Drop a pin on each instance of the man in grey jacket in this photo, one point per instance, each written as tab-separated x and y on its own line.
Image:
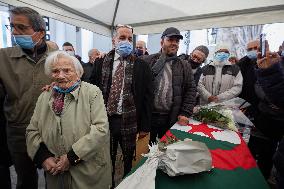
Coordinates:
220	80
21	79
174	85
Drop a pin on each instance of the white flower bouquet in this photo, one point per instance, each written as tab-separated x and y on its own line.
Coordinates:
224	115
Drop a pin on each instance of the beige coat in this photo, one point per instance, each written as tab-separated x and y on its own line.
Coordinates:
21	80
83	126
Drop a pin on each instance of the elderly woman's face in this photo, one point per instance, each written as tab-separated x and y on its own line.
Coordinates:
63	73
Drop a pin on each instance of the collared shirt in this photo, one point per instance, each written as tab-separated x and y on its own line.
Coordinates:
115	64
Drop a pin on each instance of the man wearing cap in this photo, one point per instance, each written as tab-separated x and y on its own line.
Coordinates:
196	59
220	80
174	87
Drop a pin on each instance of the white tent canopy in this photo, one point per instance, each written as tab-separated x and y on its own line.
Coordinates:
153	16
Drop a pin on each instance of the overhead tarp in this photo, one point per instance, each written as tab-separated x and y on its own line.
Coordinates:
153	16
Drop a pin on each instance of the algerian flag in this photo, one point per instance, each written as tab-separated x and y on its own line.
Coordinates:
234	166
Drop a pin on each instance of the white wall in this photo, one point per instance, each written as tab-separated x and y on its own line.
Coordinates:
153	43
61	32
82	40
102	43
275	35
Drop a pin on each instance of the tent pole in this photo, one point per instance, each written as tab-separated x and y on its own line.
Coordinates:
114	17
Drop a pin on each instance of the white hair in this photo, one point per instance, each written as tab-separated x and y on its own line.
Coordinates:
91	51
55	56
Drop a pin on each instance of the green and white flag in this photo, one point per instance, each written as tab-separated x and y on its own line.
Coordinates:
232	162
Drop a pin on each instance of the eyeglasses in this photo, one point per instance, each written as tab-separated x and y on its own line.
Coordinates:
123	26
18	27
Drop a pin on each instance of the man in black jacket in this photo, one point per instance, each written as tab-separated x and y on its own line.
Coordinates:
88	67
270	76
263	140
126	83
247	65
174	86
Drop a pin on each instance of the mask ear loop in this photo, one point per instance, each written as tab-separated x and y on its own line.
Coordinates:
35	43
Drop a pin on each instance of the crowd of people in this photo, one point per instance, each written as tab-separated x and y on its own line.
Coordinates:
68	117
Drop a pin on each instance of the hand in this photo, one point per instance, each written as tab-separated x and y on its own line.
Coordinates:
48	87
101	55
213	99
49	165
63	164
182	120
142	134
269	59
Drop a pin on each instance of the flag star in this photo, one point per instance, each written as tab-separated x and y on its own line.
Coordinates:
203	128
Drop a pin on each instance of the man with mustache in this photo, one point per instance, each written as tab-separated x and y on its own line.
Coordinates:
174	86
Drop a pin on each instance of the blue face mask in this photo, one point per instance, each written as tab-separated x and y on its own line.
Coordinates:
282	53
252	55
124	48
221	56
70	89
25	41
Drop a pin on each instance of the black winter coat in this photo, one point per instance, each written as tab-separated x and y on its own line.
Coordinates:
247	67
142	87
184	89
272	82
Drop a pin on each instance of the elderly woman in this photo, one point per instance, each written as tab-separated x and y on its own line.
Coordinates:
69	134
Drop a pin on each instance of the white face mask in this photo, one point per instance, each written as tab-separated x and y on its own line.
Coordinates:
71	53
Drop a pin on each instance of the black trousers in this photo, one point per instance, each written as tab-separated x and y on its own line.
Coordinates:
5	180
159	126
5	158
127	147
27	177
263	149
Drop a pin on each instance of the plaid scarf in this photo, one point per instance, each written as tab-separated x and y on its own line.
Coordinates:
129	125
58	95
58	102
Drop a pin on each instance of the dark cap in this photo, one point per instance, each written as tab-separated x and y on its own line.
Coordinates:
172	32
203	49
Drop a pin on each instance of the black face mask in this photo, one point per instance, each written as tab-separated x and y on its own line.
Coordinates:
194	64
138	52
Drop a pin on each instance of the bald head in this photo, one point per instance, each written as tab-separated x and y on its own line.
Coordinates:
93	55
141	45
252	45
52	44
